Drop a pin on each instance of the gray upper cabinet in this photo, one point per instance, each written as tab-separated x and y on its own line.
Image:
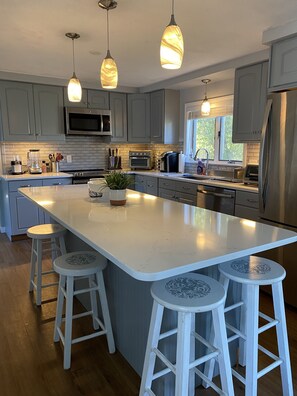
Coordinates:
48	102
17	111
91	98
118	107
139	118
250	93
165	116
283	64
31	112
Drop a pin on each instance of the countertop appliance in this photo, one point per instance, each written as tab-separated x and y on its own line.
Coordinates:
169	161
251	174
218	199
33	161
83	176
140	159
83	121
277	179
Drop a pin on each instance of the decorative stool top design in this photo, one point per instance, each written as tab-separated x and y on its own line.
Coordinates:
250	268
187	288
81	259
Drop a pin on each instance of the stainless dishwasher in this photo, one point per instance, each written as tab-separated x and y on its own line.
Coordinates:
218	199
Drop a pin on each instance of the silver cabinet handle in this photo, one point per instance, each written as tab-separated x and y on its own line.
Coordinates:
56	184
26	185
216	194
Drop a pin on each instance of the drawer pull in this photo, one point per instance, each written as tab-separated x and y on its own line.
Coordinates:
56	184
26	185
252	200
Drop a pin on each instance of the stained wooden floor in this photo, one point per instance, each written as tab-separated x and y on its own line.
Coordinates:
31	363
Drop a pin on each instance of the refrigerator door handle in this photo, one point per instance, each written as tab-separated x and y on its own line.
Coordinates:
264	159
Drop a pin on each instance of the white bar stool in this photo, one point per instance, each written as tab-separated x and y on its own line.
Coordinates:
187	294
70	267
39	234
252	272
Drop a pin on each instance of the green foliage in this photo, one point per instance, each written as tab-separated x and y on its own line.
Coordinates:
205	135
118	180
228	150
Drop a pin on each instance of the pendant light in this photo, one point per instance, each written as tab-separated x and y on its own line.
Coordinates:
172	45
205	107
109	71
74	87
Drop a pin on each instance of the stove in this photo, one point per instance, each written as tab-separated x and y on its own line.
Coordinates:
83	176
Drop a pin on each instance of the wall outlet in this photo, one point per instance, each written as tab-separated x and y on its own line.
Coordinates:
69	158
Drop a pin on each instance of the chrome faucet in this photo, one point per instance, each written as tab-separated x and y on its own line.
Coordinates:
207	158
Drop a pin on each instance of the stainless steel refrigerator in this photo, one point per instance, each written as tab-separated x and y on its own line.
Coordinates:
278	179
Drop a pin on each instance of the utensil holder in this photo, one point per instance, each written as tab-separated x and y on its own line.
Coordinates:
55	167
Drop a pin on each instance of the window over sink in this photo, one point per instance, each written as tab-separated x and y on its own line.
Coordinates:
214	132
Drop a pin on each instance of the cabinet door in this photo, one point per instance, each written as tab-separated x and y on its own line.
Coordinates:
157	116
249	102
283	64
140	183
24	213
98	99
118	107
138	118
83	103
167	194
48	101
151	185
17	111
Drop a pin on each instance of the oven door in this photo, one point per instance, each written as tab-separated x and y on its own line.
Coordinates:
140	162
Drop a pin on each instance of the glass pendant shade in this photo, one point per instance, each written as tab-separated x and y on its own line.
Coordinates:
109	72
172	46
74	89
205	107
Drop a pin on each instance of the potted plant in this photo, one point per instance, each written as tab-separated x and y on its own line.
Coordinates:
118	183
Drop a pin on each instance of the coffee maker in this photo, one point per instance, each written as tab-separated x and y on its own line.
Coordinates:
33	161
169	162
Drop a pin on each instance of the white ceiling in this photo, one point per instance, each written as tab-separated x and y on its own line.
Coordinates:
33	36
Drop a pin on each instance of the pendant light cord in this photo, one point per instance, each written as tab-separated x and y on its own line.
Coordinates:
172	7
107	28
73	62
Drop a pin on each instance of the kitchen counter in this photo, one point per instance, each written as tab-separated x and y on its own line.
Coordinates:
25	176
151	238
206	181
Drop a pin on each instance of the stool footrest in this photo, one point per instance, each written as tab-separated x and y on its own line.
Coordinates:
87	290
271	322
44	285
233	306
167	334
159	374
150	392
164	360
209	382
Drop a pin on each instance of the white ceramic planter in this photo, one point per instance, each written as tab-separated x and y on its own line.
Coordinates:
117	197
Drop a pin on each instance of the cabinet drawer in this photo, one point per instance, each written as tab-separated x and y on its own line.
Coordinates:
185	198
56	182
167	194
247	199
166	183
189	188
246	213
15	185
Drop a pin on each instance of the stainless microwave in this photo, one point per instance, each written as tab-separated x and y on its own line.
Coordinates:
92	122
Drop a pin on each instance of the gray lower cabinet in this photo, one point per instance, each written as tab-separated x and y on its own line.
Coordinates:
178	191
118	107
283	64
31	112
165	111
250	92
247	205
146	184
19	212
91	98
139	118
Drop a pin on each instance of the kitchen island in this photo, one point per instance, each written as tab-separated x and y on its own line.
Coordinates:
149	238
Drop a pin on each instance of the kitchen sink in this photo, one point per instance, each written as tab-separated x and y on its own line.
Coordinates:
196	177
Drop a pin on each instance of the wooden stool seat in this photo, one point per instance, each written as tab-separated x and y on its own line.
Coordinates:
252	272
54	233
70	267
187	294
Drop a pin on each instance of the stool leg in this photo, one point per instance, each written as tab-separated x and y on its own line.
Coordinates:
39	271
282	338
68	322
59	309
32	265
252	314
152	343
183	353
105	311
210	364
62	245
192	356
222	343
243	326
94	305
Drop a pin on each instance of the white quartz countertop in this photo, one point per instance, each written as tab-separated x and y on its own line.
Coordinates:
26	176
152	238
207	180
